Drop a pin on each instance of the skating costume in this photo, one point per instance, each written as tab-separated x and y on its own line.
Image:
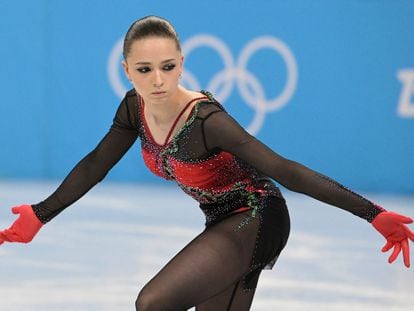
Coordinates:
215	161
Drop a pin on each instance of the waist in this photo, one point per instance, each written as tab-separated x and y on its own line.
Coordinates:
235	203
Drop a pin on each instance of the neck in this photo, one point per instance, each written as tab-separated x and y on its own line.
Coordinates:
163	112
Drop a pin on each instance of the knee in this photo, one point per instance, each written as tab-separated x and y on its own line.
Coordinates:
149	300
145	301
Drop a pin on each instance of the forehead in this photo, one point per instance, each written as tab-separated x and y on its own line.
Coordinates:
154	48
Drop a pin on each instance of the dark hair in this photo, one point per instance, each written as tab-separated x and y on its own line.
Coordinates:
149	26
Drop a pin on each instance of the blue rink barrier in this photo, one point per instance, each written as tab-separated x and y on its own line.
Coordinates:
327	83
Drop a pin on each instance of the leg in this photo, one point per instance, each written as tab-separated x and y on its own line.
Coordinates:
210	264
232	299
273	235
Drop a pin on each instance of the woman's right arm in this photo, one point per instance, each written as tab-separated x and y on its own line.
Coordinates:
86	174
94	166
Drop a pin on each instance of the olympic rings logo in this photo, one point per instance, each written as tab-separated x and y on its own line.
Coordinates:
234	74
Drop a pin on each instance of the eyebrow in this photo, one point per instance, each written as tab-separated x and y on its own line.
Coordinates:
163	62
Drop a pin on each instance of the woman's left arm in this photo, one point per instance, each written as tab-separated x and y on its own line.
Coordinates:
225	133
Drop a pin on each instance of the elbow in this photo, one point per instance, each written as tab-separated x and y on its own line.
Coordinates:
291	176
94	169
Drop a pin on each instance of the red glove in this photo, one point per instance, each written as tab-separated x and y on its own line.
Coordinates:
24	228
392	226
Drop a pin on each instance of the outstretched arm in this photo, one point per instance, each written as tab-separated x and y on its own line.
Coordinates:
87	173
225	133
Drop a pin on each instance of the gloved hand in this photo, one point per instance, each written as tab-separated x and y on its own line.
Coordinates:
392	226
24	228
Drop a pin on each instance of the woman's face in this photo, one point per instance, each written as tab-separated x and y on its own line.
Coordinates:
154	66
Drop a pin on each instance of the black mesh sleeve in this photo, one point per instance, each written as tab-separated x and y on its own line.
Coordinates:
94	166
223	132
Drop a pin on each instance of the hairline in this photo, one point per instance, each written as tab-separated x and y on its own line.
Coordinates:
176	41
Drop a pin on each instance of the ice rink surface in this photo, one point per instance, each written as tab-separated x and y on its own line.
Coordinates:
99	252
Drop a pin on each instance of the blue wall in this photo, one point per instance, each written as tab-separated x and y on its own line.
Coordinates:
328	83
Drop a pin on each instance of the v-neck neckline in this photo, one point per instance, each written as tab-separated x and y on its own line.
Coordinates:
169	138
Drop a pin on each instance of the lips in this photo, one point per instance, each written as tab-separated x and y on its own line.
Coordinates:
158	93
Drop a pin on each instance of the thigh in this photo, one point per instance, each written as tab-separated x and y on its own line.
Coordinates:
212	262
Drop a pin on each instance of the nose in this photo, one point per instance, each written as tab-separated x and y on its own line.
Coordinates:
158	79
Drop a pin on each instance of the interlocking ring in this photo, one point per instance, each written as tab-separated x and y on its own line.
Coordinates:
234	73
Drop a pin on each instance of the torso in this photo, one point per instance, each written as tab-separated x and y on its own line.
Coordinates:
220	183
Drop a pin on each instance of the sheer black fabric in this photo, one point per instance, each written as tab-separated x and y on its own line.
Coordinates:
95	166
212	130
211	271
220	268
292	175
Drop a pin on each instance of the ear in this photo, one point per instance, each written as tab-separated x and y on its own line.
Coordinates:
126	69
181	64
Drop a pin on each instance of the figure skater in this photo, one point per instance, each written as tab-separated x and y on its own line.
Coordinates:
189	138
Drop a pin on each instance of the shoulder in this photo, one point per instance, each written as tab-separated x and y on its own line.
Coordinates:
130	102
209	106
127	114
131	96
214	115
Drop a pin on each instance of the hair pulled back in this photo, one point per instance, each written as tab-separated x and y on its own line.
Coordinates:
149	26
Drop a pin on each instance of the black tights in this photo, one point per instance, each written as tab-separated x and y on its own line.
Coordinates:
233	298
208	273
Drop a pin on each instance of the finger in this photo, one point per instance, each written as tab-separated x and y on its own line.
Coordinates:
9	236
16	210
4	236
406	252
394	255
400	218
409	233
387	247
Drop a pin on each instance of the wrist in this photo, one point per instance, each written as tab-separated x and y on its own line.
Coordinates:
373	212
38	213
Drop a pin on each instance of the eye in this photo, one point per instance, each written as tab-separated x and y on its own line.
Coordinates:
169	67
143	69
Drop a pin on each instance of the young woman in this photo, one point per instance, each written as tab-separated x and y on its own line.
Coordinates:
188	137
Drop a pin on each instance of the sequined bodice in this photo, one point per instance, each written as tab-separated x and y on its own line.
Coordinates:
208	180
220	182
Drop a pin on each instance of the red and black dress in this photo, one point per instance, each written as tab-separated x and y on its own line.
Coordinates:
215	161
